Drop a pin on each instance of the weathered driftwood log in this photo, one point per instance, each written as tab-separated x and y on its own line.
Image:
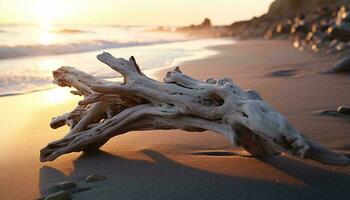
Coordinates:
180	102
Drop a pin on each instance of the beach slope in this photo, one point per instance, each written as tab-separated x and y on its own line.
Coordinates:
181	165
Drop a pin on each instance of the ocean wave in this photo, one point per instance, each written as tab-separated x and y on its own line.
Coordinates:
71	31
21	84
58	49
24	92
18	84
26	75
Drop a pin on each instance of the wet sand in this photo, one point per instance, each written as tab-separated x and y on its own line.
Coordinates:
180	165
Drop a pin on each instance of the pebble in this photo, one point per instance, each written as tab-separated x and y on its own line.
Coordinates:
62	195
342	66
343	110
326	29
94	178
66	185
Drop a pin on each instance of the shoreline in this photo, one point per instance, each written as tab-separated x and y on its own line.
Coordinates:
176	164
200	50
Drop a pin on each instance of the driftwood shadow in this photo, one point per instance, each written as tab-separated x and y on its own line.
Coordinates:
165	178
328	182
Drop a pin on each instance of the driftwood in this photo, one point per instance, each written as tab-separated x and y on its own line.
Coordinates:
180	102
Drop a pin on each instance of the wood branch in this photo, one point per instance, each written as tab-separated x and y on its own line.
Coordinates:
180	102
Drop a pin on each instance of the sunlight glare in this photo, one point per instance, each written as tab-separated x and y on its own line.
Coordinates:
46	38
47	12
58	95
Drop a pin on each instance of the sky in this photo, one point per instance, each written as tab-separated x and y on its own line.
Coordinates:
129	12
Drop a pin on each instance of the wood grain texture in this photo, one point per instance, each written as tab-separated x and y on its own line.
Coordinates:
179	102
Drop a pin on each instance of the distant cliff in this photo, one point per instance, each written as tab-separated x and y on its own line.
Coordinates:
294	7
205	29
318	25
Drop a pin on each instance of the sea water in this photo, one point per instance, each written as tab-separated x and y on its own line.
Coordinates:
29	54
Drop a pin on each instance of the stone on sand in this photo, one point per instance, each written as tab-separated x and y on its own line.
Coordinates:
62	195
344	110
94	178
342	66
66	185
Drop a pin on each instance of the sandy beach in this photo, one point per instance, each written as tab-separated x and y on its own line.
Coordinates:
181	165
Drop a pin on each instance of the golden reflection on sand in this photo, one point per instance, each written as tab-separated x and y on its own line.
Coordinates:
57	96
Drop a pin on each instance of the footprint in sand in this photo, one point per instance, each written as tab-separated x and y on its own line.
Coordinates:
283	73
220	153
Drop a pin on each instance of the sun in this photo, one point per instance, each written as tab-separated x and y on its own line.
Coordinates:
47	12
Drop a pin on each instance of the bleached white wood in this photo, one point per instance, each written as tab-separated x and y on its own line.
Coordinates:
180	102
